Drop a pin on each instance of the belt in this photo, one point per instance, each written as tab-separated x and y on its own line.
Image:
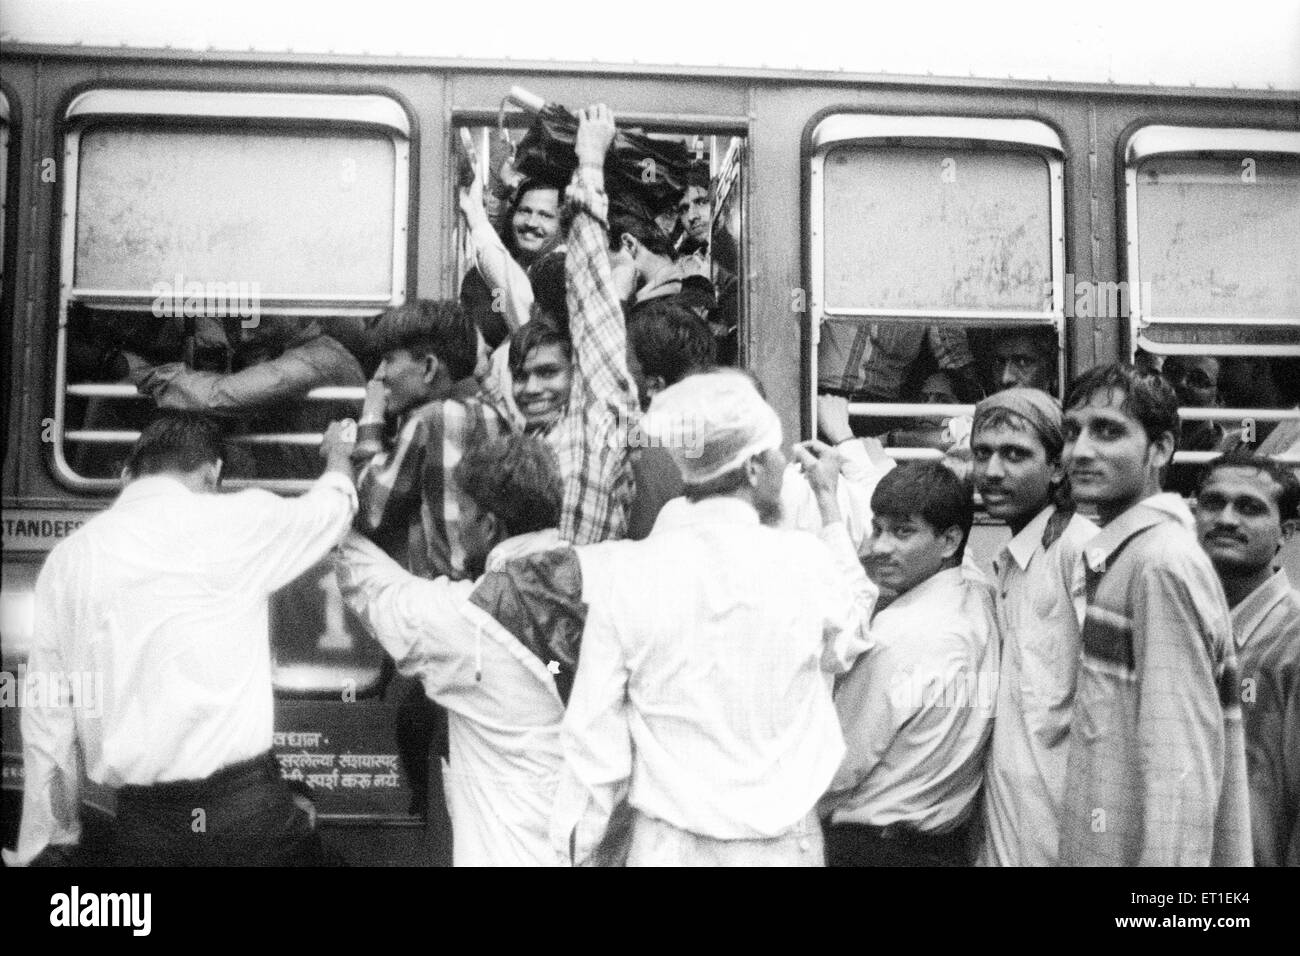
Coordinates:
950	843
229	778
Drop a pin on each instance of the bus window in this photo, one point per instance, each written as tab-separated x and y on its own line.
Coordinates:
937	265
1213	221
226	268
227	253
696	259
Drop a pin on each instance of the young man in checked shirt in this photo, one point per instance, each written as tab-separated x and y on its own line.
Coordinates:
1156	772
577	391
410	504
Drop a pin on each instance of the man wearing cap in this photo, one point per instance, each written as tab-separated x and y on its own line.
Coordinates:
703	692
1016	441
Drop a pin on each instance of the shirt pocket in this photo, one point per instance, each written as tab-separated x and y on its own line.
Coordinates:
1049	651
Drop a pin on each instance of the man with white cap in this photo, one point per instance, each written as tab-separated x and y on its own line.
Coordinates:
703	690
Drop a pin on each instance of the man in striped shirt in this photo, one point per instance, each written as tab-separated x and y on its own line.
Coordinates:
410	504
576	391
1156	772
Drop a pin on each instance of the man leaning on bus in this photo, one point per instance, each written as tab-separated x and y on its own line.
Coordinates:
162	602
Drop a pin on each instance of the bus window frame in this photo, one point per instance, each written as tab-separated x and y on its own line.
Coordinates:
1015	135
162	109
517	122
1154	139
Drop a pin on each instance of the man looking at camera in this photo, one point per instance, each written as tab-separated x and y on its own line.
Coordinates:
1245	510
1156	774
1016	445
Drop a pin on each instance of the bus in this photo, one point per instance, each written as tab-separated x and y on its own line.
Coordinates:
281	193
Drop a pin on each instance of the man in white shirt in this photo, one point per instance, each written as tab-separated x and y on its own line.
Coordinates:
498	657
1016	441
917	707
702	692
163	600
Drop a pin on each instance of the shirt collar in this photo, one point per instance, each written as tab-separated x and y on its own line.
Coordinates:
522	545
930	590
1026	544
1250	613
152	486
717	509
1155	510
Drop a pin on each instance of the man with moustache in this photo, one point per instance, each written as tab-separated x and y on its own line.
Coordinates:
1156	773
702	692
1016	441
1245	510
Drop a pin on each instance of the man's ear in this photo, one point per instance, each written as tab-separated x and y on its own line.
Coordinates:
1289	528
654	384
1162	450
951	538
752	470
430	369
630	244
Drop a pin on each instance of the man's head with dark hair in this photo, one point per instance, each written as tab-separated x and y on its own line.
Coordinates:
182	445
427	346
695	208
1247	506
1024	358
669	342
1121	429
533	220
921	516
541	369
546	275
637	243
509	486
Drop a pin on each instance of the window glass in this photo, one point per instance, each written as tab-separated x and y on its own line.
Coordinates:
936	228
295	213
1218	236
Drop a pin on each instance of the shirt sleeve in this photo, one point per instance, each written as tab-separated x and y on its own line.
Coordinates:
512	293
292	534
852	598
1180	717
51	759
288	377
417	621
597	742
602	397
874	701
388	487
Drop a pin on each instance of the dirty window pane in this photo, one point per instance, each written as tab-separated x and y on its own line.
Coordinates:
1218	236
295	212
918	228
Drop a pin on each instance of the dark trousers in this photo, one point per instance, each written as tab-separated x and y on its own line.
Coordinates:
856	844
242	815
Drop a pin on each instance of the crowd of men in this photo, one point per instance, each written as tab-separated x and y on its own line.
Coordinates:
659	642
